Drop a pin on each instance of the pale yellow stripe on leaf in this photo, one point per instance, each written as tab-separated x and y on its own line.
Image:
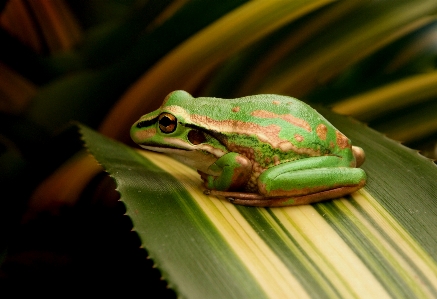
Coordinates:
301	256
402	238
389	253
287	217
265	265
389	97
271	274
330	252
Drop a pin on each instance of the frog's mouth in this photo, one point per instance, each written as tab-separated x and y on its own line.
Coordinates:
168	149
171	145
175	149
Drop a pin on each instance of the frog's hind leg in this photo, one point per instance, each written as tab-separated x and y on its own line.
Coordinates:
310	180
299	182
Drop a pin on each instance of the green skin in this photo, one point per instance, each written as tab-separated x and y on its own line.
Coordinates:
262	150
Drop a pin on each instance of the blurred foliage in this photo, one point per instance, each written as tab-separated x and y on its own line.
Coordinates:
105	63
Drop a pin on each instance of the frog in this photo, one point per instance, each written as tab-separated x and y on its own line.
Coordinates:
262	150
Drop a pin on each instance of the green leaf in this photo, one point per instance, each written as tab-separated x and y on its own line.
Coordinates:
377	243
418	123
183	242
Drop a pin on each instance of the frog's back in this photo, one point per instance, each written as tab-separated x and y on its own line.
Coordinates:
286	124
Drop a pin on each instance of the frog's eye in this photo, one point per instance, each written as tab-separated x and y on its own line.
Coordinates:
167	123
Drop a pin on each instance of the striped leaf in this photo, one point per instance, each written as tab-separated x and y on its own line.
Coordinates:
378	243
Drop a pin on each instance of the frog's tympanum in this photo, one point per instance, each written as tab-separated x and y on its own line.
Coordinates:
262	150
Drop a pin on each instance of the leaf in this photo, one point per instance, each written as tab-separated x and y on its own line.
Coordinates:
47	26
377	243
404	181
16	91
103	44
412	124
347	42
251	66
369	105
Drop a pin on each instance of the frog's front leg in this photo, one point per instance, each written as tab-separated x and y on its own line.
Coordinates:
306	181
229	172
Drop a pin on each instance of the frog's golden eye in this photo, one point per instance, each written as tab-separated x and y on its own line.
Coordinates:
167	122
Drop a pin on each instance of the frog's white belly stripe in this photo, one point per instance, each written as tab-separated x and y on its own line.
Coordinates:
199	147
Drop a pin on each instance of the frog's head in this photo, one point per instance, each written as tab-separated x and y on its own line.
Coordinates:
170	130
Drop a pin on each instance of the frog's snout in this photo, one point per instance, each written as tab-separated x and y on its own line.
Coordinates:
359	155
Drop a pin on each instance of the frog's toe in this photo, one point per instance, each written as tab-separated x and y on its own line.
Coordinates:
359	155
203	176
298	200
281	202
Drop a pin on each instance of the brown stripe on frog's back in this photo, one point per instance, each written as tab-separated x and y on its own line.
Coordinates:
267	134
287	117
322	131
342	141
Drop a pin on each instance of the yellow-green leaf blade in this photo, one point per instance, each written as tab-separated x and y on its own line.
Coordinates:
183	243
370	245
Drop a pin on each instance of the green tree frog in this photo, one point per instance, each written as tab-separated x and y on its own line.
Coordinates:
261	150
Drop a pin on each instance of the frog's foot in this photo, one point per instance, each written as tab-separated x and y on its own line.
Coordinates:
295	200
232	195
258	200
